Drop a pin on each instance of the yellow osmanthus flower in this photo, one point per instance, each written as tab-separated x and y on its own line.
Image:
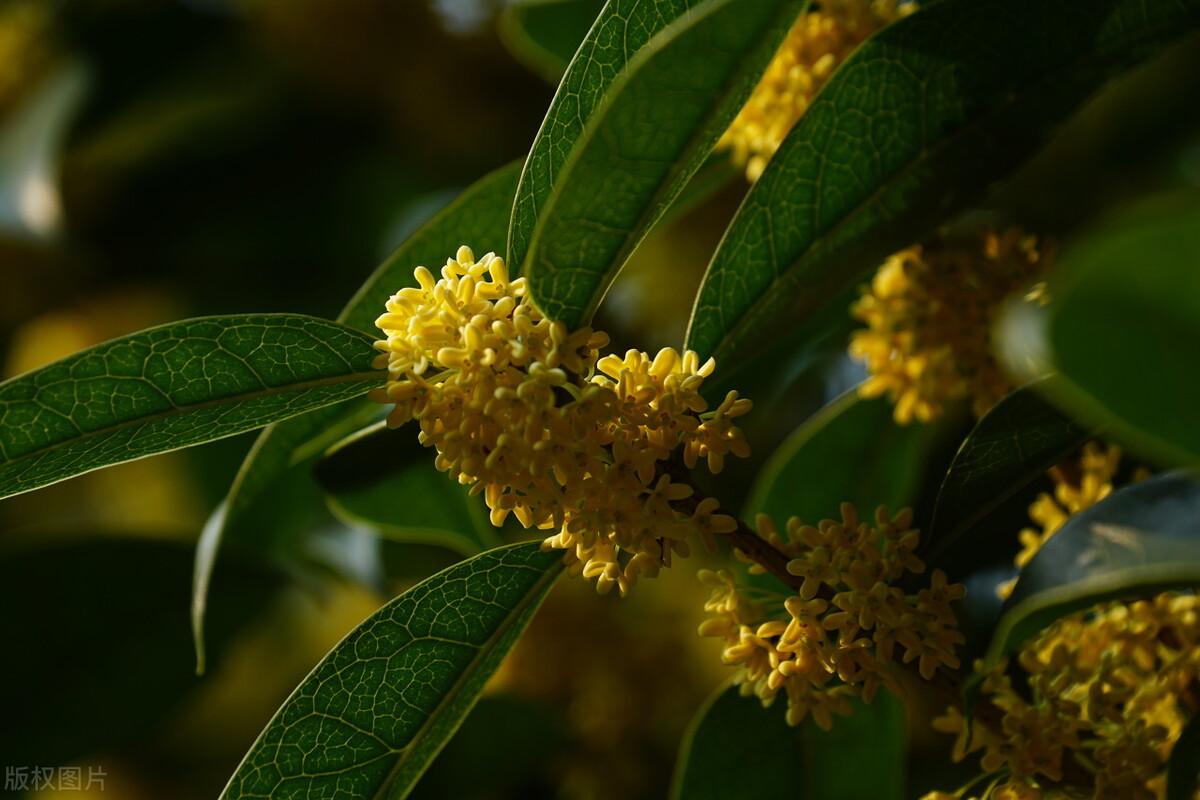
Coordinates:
1078	485
818	42
1109	689
929	312
837	637
526	413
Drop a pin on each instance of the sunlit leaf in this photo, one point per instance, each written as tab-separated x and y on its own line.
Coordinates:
478	218
544	34
633	119
1124	323
914	126
737	748
377	709
1141	540
1011	446
173	386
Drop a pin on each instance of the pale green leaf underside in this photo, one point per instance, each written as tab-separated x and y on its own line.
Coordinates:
653	128
915	125
173	386
1140	540
373	714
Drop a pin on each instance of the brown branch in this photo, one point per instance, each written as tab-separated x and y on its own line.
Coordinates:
764	554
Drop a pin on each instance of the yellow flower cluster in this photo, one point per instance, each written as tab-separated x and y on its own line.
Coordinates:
1077	485
835	638
1108	690
929	312
819	41
516	409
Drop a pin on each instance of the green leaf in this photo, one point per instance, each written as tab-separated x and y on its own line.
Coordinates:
400	495
100	657
1010	447
544	34
1139	541
377	709
173	386
912	127
737	748
1183	770
1125	308
479	218
632	121
852	450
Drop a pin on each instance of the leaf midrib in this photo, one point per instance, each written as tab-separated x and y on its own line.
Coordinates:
535	592
174	410
1115	582
654	208
822	242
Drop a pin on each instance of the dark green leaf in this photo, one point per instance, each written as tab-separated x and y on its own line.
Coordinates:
915	125
544	34
1124	329
851	450
96	630
737	748
1139	541
626	131
1183	770
478	218
394	489
173	386
1011	446
376	710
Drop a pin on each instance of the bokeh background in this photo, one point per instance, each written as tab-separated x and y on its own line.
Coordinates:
170	158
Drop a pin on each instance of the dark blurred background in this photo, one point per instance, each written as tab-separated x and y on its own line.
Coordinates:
170	158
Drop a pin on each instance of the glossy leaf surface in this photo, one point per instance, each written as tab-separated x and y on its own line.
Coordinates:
912	127
631	123
373	714
172	386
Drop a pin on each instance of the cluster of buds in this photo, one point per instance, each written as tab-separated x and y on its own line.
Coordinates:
526	413
929	312
837	637
1109	690
818	42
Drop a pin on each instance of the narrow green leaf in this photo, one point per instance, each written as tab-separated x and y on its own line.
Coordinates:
173	386
372	715
478	218
737	748
544	34
1124	321
1011	446
1183	770
618	146
852	450
384	479
915	125
1141	540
